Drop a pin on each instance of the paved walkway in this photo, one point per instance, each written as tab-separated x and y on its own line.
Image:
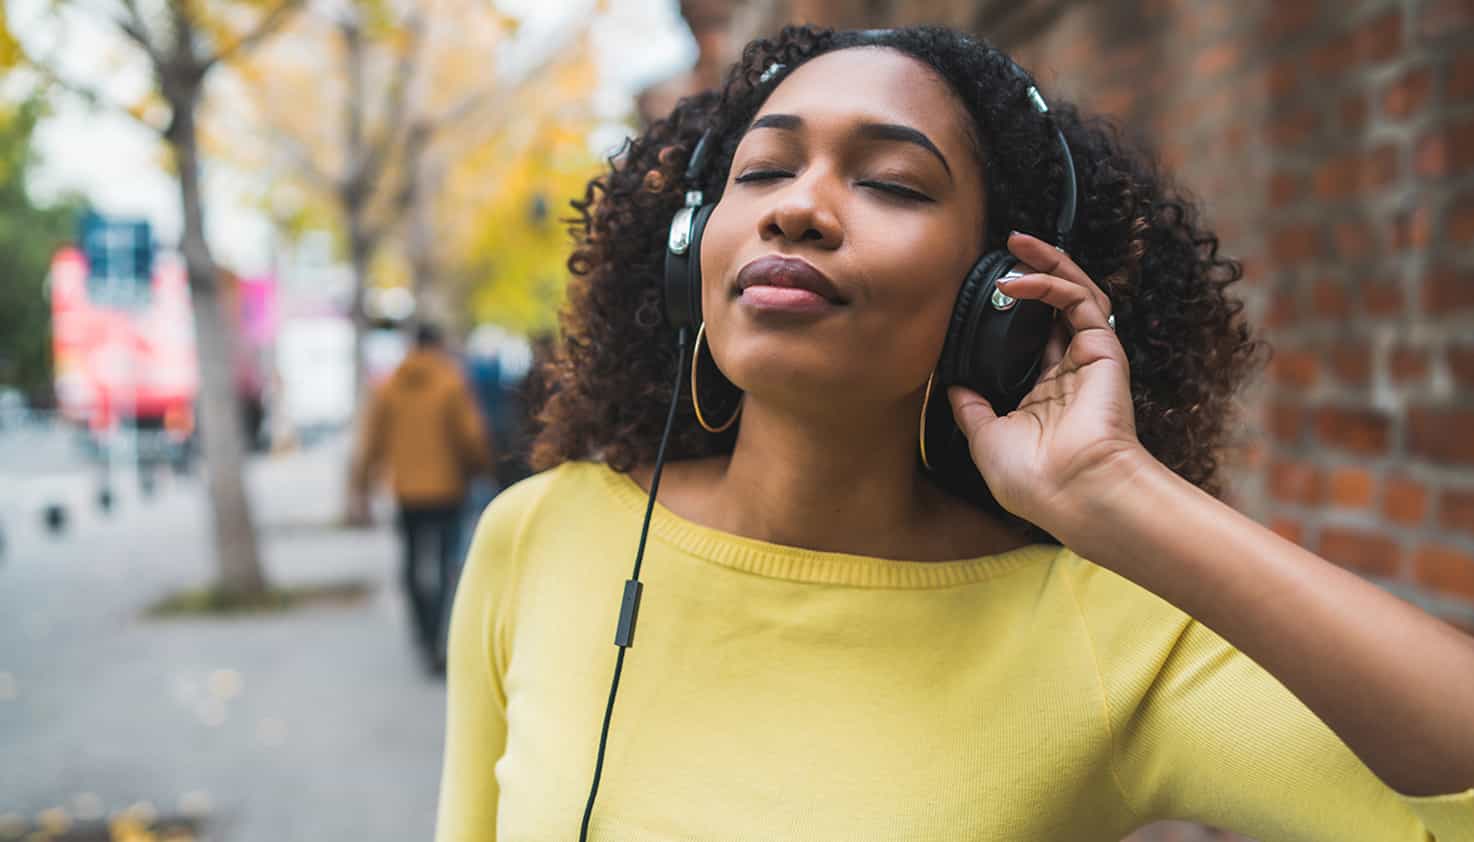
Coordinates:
315	725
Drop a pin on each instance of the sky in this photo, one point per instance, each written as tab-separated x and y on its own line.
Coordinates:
116	163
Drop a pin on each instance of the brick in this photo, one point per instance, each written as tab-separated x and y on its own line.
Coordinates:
1254	455
1456	509
1117	101
1286	422
1380	38
1292	129
1253	268
1365	552
1448	290
1338	177
1293	368
1459	227
1446	150
1173	154
1281	309
1354	240
1404	500
1216	60
1350	488
1445	569
1407	95
1412	228
1234	139
1441	434
1378	167
1288	528
1285	20
1444	18
1460	84
1328	299
1383	298
1407	365
1461	365
1283	77
1296	482
1335	57
1292	244
1351	362
1285	187
1353	429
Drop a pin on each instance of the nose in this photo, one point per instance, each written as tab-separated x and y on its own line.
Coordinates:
801	212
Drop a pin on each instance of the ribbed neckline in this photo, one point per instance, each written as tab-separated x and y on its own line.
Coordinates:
779	561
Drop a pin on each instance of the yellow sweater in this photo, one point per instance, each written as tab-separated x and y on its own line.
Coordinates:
776	693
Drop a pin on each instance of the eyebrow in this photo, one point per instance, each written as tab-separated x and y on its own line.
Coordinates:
870	131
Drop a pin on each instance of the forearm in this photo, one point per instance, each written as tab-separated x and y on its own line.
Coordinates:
1393	682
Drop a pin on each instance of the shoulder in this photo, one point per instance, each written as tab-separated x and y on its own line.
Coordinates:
525	502
517	522
1125	621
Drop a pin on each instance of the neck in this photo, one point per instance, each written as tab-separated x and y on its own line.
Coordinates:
839	484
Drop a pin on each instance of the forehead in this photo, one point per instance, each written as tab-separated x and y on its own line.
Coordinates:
874	83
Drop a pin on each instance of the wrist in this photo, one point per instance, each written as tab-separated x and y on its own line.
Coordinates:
1096	500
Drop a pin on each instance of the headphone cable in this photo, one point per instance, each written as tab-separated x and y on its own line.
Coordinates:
625	633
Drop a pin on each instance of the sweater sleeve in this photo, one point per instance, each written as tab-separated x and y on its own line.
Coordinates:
1203	733
476	704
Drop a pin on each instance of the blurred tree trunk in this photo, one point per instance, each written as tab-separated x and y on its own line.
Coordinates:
236	547
181	80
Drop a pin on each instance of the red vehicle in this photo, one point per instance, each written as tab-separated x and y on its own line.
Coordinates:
124	354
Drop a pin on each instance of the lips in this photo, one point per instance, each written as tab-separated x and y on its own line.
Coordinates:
778	271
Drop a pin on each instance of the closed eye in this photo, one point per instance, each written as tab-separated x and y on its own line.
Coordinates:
762	175
898	190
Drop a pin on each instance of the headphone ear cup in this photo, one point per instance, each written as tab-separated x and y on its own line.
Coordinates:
682	282
996	353
955	362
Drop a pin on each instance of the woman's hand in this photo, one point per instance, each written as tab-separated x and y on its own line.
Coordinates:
1077	425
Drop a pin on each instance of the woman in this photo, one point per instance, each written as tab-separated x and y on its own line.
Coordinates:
833	647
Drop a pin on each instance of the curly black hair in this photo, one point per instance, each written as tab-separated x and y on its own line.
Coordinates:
608	384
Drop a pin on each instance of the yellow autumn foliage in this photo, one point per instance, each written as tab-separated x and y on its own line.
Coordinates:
514	268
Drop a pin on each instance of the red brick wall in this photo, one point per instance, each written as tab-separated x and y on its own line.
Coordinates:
1333	144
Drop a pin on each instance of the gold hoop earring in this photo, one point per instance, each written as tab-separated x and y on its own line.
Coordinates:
695	401
926	399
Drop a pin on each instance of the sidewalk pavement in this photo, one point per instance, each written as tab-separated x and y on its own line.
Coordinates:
319	724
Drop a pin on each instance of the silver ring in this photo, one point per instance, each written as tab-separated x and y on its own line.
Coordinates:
1111	320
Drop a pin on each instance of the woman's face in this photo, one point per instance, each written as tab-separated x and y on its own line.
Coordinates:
860	166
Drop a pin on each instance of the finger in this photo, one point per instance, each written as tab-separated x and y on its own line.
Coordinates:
1043	257
971	410
1054	349
1081	309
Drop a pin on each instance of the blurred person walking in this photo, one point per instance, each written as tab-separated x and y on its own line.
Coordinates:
424	427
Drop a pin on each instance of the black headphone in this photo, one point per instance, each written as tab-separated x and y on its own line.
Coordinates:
994	345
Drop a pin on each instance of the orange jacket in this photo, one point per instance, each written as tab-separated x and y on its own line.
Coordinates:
424	427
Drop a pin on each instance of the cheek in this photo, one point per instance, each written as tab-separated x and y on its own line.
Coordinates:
915	283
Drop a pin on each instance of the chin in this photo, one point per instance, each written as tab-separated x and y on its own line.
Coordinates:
763	364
